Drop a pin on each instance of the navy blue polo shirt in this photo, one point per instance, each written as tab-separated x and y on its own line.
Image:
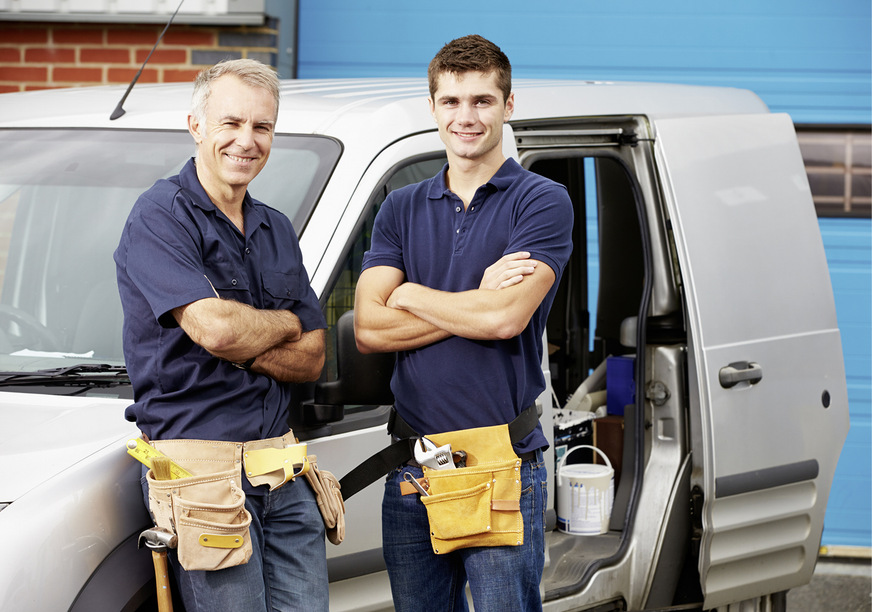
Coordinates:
176	246
424	231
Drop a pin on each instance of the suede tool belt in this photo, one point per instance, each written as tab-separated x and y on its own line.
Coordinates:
402	451
207	509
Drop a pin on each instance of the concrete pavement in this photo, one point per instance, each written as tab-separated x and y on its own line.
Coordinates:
838	585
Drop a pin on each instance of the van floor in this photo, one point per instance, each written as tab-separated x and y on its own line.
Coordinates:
570	555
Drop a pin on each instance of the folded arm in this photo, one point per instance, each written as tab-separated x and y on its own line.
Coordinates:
300	361
479	314
380	329
392	315
238	332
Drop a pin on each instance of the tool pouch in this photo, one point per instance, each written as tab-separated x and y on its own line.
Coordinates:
476	505
277	460
329	498
206	511
207	514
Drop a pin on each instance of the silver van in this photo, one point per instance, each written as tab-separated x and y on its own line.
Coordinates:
693	339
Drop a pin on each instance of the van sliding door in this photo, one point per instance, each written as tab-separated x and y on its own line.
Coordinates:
768	399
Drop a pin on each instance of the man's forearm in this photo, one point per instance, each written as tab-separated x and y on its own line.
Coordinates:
467	314
380	329
388	317
479	314
235	331
300	361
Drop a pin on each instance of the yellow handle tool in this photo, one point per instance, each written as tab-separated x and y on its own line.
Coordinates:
143	452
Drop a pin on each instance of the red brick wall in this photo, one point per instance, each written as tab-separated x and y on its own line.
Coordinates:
48	55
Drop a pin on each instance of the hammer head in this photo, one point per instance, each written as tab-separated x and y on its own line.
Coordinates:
157	539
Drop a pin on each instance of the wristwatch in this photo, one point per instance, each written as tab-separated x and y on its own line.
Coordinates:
244	365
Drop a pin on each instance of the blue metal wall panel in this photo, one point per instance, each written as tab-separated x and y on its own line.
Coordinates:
805	57
848	244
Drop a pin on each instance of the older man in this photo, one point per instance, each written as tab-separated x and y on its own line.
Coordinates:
219	321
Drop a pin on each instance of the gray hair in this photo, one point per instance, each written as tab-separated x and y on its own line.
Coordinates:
249	71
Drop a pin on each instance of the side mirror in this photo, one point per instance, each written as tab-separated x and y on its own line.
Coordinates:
361	379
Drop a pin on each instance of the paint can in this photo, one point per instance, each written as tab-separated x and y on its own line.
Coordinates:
585	494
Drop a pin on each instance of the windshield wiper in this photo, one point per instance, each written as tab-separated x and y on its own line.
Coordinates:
79	375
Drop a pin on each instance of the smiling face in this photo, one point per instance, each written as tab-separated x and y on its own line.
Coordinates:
470	110
234	137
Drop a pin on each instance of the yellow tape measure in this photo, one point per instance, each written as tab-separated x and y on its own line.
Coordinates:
140	450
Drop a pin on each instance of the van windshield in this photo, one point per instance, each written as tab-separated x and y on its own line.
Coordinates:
64	198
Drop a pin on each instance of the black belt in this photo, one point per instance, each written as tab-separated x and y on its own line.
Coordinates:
528	456
402	451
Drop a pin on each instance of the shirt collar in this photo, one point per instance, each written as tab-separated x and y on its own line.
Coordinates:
506	175
500	181
188	180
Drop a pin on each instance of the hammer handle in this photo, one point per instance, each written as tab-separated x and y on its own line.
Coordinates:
164	597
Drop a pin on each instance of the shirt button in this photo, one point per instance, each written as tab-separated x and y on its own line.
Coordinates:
457	231
247	251
457	209
233	282
471	209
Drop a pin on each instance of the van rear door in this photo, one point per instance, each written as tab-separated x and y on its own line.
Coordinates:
767	382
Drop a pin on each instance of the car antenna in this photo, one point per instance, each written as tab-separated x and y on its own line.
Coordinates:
118	109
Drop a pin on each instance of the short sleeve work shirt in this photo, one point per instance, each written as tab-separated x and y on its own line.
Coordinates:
178	247
425	231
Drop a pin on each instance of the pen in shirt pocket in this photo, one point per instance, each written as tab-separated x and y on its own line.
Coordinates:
211	285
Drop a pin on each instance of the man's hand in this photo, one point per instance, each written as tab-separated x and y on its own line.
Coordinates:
507	271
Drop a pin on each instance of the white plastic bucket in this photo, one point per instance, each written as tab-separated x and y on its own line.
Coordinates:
585	494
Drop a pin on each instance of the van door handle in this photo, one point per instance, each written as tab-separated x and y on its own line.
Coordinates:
739	372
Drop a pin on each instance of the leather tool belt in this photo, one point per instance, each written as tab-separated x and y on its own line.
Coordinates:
479	504
207	510
400	452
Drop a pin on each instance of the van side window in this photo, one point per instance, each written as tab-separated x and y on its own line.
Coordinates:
340	298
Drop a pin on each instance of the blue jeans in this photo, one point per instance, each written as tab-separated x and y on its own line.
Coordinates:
501	578
288	566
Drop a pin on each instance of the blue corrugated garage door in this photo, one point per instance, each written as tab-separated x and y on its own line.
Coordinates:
848	243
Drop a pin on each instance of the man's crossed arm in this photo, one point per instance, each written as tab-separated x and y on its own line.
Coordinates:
392	315
237	332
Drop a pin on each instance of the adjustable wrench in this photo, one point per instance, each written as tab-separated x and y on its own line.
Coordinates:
435	457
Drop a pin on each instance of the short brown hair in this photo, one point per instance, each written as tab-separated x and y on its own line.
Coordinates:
251	72
471	53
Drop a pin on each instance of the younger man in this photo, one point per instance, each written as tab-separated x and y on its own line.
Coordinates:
460	277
